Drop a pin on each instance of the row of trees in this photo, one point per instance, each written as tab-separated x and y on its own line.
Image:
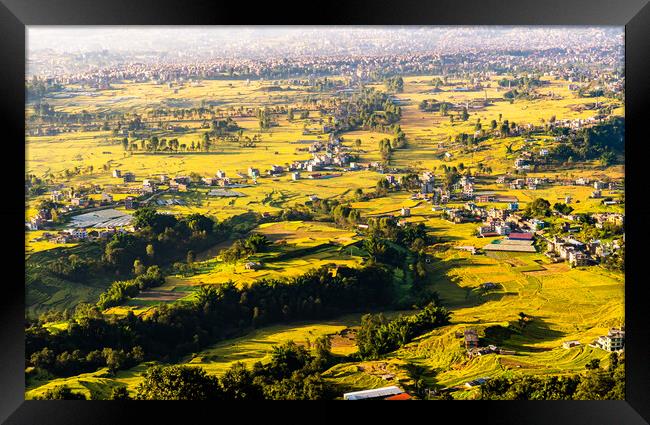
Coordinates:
219	311
69	363
293	373
387	146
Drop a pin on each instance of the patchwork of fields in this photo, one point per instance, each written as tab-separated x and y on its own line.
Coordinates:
564	304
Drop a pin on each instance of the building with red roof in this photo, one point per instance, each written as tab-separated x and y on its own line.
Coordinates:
521	236
403	396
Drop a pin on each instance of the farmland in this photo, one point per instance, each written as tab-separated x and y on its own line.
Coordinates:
147	198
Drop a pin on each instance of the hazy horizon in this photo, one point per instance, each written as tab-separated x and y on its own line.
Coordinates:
327	39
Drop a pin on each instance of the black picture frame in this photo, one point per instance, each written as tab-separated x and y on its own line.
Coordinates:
15	15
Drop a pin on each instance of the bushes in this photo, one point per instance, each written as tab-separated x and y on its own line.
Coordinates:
378	336
170	238
292	374
243	248
69	363
178	383
602	141
62	392
539	208
595	384
120	291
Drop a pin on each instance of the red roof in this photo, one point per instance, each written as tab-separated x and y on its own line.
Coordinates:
402	396
526	236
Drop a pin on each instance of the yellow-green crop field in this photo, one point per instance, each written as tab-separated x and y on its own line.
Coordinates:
564	304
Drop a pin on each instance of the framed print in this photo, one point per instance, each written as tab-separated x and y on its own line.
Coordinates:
411	201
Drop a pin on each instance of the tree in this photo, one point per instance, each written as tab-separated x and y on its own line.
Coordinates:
354	216
206	295
257	242
138	267
613	361
593	364
237	384
288	358
382	186
147	217
395	83
562	208
464	114
178	382
538	208
120	393
115	359
150	251
62	392
154	143
607	158
191	257
376	248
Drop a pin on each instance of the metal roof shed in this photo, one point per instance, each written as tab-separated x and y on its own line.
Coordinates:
371	394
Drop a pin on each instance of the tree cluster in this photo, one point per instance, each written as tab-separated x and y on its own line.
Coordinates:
378	335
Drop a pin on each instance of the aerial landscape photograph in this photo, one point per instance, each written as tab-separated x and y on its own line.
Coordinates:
325	213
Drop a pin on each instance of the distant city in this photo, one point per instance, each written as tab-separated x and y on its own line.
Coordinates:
60	51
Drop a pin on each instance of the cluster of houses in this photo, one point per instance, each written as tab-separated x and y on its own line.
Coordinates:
569	249
469	213
613	341
127	177
530	183
578	253
79	235
600	219
534	183
324	154
471	343
502	222
39	220
495	221
183	183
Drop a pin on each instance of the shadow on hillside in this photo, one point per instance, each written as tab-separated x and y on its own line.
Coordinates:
451	293
518	339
